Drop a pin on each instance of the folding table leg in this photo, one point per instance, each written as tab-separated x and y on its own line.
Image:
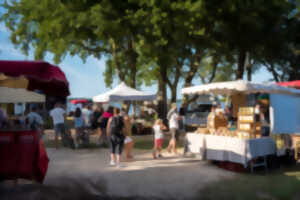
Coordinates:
264	164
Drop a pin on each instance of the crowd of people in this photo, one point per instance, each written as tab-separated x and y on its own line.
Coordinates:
113	128
32	120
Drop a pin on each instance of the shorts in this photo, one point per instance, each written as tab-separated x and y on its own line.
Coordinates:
59	129
127	140
158	143
174	133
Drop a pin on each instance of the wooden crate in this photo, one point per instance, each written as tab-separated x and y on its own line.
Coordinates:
214	122
247	125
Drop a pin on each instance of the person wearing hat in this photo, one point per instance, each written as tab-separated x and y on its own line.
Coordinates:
173	118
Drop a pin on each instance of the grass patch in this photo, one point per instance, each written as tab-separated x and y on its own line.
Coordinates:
281	185
147	144
51	143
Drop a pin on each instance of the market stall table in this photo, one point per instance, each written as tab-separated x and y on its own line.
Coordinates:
22	155
195	143
224	148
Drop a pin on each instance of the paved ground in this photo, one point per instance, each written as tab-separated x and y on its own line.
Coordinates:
173	177
169	177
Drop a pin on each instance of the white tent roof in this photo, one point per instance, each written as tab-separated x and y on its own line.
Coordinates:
19	95
240	86
124	93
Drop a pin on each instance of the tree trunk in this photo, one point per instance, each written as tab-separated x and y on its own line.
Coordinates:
294	74
241	65
174	94
214	70
271	68
196	60
249	67
249	73
173	86
132	58
162	93
132	63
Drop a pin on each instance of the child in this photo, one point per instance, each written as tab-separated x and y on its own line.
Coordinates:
158	137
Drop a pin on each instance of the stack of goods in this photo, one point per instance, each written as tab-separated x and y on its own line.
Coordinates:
238	100
247	126
224	131
216	121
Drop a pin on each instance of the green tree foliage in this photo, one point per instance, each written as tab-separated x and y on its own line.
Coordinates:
248	25
162	41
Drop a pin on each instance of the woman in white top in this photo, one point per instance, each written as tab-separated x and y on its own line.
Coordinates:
173	118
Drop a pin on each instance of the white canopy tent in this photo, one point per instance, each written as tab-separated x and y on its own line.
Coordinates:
19	95
240	86
124	93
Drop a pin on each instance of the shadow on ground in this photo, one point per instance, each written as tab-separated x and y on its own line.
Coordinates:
282	184
71	190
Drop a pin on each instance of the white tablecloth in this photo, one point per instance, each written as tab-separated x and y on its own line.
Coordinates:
224	148
195	143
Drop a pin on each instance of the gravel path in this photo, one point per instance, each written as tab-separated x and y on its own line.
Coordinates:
73	173
168	177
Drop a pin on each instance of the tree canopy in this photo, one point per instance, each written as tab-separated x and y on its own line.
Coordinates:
162	41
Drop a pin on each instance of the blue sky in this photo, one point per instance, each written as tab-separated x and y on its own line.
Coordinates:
86	79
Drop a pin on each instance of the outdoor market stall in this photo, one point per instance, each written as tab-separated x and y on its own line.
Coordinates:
244	144
22	154
123	93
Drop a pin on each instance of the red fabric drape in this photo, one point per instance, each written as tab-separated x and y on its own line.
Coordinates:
22	155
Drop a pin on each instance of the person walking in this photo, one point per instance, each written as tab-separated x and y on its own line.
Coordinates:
86	114
128	139
58	115
103	123
115	130
158	138
96	121
173	118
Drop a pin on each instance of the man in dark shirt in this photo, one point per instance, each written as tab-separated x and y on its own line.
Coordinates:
182	112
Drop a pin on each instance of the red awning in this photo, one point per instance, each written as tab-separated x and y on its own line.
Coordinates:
293	84
40	75
77	101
